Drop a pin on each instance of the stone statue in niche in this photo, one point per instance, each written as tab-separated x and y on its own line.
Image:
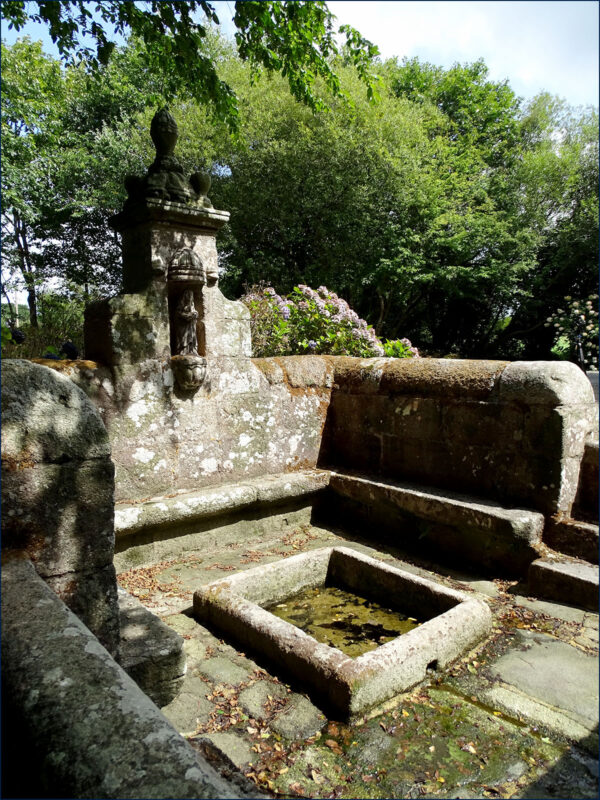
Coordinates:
186	317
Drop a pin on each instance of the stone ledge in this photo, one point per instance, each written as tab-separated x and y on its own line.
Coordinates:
447	507
566	581
151	652
225	498
70	696
478	530
573	538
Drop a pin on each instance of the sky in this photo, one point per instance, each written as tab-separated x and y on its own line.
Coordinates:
548	45
537	46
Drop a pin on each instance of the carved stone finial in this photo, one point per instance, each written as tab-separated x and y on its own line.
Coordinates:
165	179
164	132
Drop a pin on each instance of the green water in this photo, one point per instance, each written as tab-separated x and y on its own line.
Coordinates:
342	619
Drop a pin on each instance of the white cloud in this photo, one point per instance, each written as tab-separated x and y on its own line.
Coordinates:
551	46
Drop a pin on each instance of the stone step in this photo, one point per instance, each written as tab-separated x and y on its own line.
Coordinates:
563	580
151	653
573	538
502	540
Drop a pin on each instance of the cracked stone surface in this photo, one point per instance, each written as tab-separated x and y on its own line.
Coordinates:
554	673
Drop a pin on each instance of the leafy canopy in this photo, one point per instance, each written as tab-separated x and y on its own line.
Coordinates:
296	39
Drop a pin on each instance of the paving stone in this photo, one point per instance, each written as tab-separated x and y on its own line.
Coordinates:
372	751
488	588
181	623
299	720
195	651
255	697
554	673
557	610
189	707
587	642
591	621
223	670
234	747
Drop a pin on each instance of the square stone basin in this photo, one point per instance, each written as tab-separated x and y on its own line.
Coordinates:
454	622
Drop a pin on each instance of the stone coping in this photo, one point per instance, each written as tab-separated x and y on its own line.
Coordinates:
455	622
529	383
226	498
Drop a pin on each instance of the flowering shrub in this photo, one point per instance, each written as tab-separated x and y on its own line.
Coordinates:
576	327
400	348
309	321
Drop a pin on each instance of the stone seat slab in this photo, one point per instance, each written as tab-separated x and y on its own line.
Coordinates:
151	652
567	581
210	501
465	527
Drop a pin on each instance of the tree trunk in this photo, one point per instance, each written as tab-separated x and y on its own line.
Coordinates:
26	267
11	311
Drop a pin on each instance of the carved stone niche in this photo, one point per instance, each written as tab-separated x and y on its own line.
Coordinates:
185	278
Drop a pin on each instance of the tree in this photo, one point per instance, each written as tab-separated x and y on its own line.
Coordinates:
558	190
32	91
296	39
396	207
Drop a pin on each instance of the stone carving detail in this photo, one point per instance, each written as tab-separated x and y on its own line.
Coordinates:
189	371
186	317
186	266
165	179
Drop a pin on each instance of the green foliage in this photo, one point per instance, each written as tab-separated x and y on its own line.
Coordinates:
5	334
575	328
444	212
60	318
399	348
309	321
296	39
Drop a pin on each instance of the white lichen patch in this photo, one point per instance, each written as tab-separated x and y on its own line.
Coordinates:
143	455
108	387
294	442
244	440
209	465
137	411
126	517
162	464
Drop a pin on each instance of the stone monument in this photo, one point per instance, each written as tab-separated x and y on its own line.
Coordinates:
172	309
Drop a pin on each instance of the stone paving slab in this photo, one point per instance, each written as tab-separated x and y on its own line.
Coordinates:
477	731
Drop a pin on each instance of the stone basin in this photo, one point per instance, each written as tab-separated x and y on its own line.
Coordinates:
454	623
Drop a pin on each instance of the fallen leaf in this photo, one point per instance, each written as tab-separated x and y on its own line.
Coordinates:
316	777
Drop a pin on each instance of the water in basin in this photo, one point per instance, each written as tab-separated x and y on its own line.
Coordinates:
342	619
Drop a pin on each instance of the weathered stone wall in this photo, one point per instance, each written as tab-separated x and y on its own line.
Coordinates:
254	417
514	433
58	491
